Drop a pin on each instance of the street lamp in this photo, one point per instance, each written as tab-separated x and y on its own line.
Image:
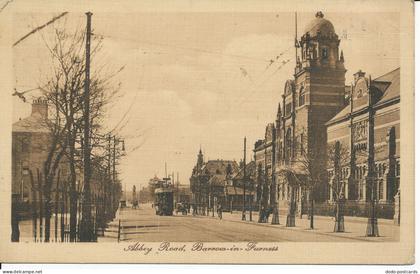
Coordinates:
372	227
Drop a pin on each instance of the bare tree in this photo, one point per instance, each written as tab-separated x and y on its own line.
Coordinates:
338	159
308	172
64	90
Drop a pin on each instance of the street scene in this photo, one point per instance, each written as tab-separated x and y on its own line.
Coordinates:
206	127
145	226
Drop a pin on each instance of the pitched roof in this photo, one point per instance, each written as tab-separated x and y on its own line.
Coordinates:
250	171
217	180
234	190
388	84
341	114
35	123
218	167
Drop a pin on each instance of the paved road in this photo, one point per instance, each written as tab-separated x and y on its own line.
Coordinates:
143	225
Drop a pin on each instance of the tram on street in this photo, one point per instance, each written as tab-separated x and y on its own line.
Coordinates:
164	201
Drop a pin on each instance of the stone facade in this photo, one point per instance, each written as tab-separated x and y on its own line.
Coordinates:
374	104
315	111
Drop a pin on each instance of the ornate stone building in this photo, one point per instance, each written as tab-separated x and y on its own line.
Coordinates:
315	111
310	99
371	119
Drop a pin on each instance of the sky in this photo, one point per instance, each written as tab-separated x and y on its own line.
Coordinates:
194	80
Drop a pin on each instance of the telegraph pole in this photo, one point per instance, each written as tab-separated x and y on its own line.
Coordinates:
296	41
244	179
86	234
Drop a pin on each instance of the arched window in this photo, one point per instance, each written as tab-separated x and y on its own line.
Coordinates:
324	53
301	96
281	151
380	189
391	142
301	144
288	154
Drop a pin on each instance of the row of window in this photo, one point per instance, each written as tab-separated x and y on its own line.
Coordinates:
380	170
361	171
301	102
311	53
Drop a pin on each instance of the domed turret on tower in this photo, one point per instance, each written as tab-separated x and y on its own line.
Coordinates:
319	26
319	46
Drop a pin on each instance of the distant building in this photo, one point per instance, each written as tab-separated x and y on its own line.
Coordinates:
207	181
182	193
234	189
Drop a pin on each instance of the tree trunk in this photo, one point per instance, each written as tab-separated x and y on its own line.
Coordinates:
339	217
312	211
57	192
47	215
33	205
41	206
73	191
291	214
48	204
63	201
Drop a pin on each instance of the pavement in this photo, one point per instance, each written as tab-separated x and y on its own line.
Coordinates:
143	225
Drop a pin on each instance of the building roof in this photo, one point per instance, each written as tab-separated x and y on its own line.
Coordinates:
234	190
35	123
250	171
218	167
319	25
217	180
388	84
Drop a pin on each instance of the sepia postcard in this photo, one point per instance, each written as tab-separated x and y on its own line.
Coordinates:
232	132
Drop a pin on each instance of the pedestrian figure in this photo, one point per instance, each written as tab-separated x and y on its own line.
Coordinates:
262	218
195	210
219	211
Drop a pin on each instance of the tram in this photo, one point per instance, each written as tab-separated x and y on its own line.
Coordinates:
164	201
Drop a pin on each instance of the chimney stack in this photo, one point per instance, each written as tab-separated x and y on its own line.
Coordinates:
40	107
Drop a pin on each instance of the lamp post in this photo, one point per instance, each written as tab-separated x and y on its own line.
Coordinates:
372	226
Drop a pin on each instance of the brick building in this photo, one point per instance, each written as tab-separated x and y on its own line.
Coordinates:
372	117
317	109
314	96
30	139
